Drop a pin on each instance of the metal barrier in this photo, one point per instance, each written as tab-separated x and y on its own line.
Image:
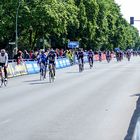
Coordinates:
29	66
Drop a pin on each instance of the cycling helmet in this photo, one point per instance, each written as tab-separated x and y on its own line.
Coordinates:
3	51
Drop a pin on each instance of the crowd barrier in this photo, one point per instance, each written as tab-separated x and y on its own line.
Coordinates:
31	67
96	58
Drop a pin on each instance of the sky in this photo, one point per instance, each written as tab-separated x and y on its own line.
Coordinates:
130	8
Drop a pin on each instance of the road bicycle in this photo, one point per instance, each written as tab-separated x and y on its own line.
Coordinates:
90	63
3	82
108	58
42	71
81	66
51	72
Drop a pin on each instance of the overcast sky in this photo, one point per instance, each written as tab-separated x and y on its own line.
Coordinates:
130	8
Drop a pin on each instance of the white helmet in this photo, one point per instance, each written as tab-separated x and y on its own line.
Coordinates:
3	51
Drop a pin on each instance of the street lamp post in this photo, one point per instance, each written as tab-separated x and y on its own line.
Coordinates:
16	42
30	38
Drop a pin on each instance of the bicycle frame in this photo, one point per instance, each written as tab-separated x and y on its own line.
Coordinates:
90	63
42	71
51	73
2	77
80	65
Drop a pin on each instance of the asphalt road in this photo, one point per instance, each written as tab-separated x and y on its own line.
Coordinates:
97	104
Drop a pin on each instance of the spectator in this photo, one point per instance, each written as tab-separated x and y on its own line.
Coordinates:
26	55
19	57
32	55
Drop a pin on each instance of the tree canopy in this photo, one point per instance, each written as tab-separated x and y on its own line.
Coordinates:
96	24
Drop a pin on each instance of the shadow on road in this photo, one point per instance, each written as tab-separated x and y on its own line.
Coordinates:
36	82
70	72
134	119
39	83
28	81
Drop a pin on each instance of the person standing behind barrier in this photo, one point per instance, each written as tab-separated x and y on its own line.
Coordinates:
4	62
70	56
26	55
32	55
19	57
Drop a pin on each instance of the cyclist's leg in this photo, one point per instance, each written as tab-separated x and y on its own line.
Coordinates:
82	59
89	60
44	69
54	68
0	73
5	72
40	67
92	60
2	69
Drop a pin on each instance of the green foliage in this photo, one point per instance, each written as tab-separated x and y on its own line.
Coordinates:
96	24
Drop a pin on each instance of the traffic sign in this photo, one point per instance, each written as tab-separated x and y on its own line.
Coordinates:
73	44
12	43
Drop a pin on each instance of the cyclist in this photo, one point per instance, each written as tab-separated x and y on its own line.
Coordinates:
80	56
128	55
4	62
108	56
118	56
100	56
90	56
51	59
42	58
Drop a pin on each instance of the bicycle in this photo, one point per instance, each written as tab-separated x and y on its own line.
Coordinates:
2	79
128	57
42	71
81	66
90	63
108	58
51	73
100	58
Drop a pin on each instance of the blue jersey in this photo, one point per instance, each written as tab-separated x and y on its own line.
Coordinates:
42	58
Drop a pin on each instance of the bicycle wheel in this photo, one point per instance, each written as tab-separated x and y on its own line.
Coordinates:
1	82
5	82
80	68
91	65
41	75
50	77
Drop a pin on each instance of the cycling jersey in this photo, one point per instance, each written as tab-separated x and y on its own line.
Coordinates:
80	55
42	58
4	59
4	62
90	54
51	57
